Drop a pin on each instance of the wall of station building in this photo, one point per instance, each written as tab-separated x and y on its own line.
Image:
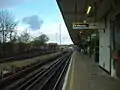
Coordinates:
106	46
115	44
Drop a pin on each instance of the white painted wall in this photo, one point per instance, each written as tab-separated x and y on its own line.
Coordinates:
104	57
105	41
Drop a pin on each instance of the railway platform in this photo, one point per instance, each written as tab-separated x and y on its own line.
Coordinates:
84	74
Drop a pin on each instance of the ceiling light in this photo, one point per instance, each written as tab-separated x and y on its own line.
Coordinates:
84	21
88	10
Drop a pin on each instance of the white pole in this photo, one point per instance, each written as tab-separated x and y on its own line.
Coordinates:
60	33
56	36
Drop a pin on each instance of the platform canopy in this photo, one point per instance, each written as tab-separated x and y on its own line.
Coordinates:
76	11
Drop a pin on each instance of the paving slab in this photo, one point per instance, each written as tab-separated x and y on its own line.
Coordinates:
85	74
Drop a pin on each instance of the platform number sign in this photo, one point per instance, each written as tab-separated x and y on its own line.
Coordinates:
80	25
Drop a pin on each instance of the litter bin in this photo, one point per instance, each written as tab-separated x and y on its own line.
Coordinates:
116	57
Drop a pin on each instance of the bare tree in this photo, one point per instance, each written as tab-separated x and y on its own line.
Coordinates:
7	24
7	27
24	37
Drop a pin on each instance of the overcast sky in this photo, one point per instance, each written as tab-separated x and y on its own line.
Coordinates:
39	16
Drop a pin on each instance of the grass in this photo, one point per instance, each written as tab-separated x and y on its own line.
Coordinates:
22	63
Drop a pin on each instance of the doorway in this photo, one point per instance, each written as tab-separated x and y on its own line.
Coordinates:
115	33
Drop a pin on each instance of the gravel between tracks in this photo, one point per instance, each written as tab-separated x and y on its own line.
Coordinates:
8	66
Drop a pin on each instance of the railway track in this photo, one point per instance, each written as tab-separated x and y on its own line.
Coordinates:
54	80
6	73
51	78
47	75
25	72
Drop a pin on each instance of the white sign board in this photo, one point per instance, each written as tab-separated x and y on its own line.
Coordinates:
81	26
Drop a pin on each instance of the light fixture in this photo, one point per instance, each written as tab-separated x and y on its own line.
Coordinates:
84	21
88	10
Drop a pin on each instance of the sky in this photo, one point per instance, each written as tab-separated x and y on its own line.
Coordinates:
38	16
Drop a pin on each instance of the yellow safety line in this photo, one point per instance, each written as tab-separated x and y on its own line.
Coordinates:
72	77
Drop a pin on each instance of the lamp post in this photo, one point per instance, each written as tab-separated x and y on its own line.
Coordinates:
56	36
60	35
